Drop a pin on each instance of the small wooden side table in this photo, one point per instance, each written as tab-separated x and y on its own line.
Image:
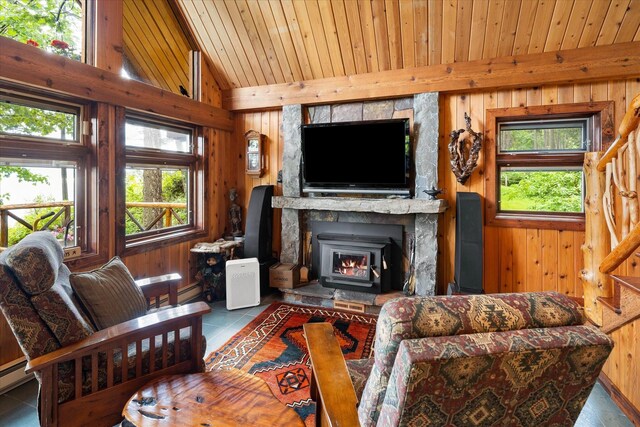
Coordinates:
218	398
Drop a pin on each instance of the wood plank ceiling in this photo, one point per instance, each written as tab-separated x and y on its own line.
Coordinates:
260	42
155	45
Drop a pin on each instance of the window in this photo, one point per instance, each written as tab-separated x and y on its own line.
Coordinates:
52	25
534	161
44	163
163	175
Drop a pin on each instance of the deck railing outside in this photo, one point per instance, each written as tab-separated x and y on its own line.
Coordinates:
63	209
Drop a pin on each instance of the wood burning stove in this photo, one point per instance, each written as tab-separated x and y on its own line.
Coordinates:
368	260
355	262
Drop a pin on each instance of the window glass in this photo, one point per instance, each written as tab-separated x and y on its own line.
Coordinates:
541	189
52	25
156	198
550	135
38	195
39	120
157	136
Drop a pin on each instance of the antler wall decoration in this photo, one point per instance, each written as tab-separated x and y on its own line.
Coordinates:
464	149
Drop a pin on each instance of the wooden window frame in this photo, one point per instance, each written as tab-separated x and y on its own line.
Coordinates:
85	151
602	130
196	161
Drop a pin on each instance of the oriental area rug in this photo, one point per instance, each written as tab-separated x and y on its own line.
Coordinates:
273	348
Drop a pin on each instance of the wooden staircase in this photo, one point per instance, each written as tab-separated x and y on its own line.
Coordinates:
624	306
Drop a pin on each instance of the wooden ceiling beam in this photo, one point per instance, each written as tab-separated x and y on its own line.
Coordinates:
35	67
561	67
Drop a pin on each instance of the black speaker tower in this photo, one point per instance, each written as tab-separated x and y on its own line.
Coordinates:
259	231
468	262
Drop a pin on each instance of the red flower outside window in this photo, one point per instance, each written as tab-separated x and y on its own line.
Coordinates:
60	44
32	42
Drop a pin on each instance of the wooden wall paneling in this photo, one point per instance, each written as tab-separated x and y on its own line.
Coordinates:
539	27
368	35
340	29
209	90
595	20
491	267
226	76
494	21
519	267
549	95
272	63
319	67
449	19
341	59
578	241
478	29
565	94
519	98
108	29
567	269
599	91
449	111
509	26
534	96
612	22
534	272
245	35
577	23
506	266
526	28
434	32
559	23
394	32
355	35
282	42
463	30
549	249
629	26
411	46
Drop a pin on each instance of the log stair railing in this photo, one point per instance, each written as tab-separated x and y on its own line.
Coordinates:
624	306
617	304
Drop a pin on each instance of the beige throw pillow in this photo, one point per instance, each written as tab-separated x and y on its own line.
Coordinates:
109	294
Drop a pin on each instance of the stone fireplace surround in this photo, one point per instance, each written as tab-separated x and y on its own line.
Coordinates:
418	215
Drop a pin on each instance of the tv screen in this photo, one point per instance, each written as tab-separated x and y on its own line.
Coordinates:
367	156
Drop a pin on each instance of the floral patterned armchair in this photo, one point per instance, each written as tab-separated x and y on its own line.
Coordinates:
521	359
86	373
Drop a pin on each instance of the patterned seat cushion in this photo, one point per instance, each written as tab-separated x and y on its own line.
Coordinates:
359	371
528	377
410	318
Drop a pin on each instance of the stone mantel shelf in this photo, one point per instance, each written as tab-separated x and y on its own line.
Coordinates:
385	206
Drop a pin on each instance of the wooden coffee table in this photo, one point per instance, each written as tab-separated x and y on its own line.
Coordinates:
218	398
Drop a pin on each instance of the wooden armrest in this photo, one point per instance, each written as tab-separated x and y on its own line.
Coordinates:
118	332
337	400
154	287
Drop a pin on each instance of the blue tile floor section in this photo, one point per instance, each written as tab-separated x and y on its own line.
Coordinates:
18	406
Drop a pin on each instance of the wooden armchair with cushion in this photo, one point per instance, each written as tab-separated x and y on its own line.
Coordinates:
89	337
506	359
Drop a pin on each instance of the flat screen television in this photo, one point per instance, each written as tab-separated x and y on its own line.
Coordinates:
356	157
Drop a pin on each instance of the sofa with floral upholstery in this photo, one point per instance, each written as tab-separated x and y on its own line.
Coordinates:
522	359
79	361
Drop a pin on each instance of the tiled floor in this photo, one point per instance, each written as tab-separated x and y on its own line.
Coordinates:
18	406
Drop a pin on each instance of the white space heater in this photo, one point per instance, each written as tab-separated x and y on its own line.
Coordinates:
243	283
